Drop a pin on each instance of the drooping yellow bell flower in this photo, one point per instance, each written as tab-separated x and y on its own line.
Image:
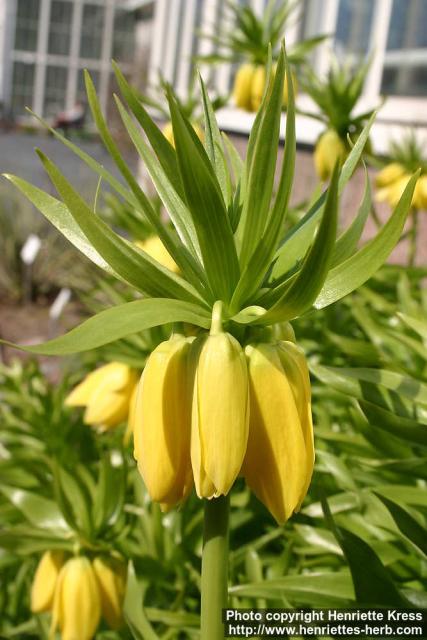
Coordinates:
258	87
242	91
111	576
77	602
220	414
162	422
279	458
45	578
329	148
389	174
157	250
106	393
392	192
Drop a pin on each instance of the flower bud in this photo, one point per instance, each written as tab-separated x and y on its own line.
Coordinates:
44	583
77	601
168	133
279	459
219	427
328	150
162	422
111	576
106	394
389	174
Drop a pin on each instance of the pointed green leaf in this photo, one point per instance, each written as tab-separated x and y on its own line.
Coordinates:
120	321
207	207
133	265
405	428
307	283
406	524
260	181
354	271
38	510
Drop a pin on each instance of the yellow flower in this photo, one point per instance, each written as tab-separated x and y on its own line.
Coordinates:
162	423
389	174
131	417
44	583
329	148
280	455
106	393
219	429
243	86
111	576
156	249
394	191
420	195
168	132
77	601
249	85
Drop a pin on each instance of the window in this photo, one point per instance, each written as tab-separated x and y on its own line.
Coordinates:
55	88
353	32
124	35
27	14
22	87
92	31
61	15
405	62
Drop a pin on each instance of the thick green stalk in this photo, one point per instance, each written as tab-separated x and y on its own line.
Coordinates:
214	568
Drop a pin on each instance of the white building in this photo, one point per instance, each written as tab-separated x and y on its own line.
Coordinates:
45	45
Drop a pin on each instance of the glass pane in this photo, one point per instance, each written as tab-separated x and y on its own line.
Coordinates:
405	64
55	88
124	35
353	31
27	14
61	15
22	87
92	31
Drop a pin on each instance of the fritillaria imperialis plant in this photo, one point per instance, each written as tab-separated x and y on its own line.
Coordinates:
405	158
336	97
233	398
246	41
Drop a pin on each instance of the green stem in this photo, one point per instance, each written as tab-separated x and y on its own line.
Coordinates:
412	254
214	568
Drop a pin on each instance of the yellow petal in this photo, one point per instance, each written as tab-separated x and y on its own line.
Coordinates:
80	601
243	85
258	86
111	576
45	579
156	249
275	465
221	409
113	376
328	150
389	174
162	422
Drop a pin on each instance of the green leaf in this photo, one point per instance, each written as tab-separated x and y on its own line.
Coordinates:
163	149
260	261
207	207
313	589
354	271
133	265
347	242
348	381
40	511
260	180
59	215
306	284
407	525
417	325
299	238
213	143
405	428
120	321
133	608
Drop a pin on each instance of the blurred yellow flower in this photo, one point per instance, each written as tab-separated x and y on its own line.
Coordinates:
111	575
156	249
44	583
329	148
77	602
106	394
